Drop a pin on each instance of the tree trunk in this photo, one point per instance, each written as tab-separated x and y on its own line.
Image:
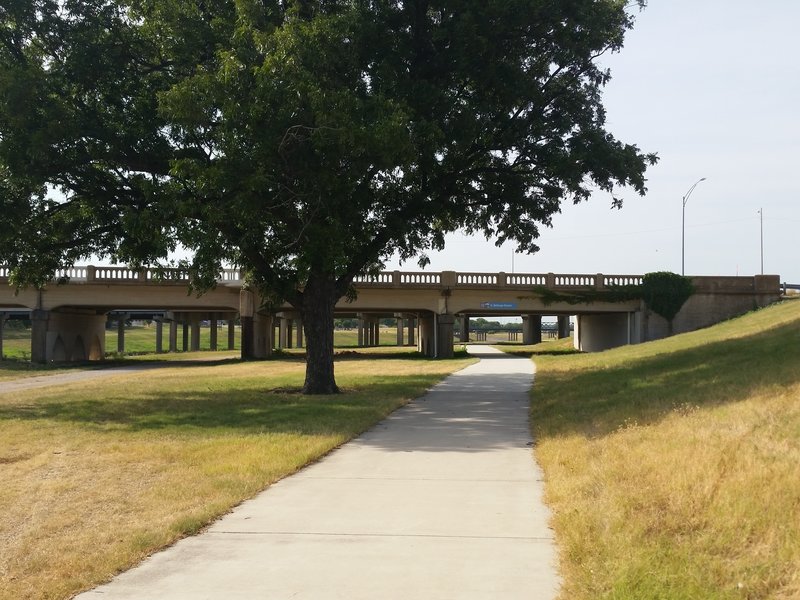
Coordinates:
319	298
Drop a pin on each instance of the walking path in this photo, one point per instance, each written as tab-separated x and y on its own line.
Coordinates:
45	380
39	381
442	500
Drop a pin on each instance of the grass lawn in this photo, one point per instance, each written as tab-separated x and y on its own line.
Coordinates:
673	467
97	475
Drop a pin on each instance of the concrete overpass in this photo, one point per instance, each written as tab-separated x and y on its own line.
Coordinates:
69	315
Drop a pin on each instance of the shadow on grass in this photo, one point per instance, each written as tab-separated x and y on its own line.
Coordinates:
239	408
543	352
599	401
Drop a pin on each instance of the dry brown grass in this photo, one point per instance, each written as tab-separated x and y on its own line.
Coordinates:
97	475
673	468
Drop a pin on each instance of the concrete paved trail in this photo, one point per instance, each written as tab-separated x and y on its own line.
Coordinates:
442	500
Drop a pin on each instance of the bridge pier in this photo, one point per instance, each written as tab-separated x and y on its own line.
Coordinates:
263	335
400	329
67	336
231	333
299	335
563	327
173	335
436	335
159	334
194	330
3	319
464	327
426	336
444	337
213	333
121	318
412	327
531	329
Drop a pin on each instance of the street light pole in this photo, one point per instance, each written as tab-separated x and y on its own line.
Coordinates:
683	223
761	215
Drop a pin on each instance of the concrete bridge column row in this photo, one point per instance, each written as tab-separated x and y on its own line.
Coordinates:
368	330
262	333
406	328
190	324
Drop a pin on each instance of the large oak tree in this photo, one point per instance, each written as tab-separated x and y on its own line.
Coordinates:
302	140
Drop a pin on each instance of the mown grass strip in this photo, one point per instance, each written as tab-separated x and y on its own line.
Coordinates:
98	475
673	468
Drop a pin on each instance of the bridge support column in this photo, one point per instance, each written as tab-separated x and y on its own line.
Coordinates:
299	335
213	333
159	334
263	336
376	331
563	327
361	332
531	329
426	336
444	338
185	335
121	318
195	333
412	327
231	333
67	336
3	319
173	335
464	327
247	348
400	328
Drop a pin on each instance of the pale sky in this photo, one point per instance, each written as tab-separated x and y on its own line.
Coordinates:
713	87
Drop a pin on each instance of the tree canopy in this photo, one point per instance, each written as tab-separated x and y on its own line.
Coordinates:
303	140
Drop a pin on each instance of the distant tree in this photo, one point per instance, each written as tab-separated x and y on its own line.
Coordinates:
345	323
302	140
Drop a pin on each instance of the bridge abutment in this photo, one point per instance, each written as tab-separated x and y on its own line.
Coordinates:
598	332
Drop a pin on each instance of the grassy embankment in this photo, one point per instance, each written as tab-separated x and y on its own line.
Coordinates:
97	475
673	468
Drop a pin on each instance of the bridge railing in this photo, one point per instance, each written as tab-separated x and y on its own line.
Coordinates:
420	279
107	274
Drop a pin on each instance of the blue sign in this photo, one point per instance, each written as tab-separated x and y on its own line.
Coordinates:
499	305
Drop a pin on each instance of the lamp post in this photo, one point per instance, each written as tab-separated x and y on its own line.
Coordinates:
761	217
683	223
